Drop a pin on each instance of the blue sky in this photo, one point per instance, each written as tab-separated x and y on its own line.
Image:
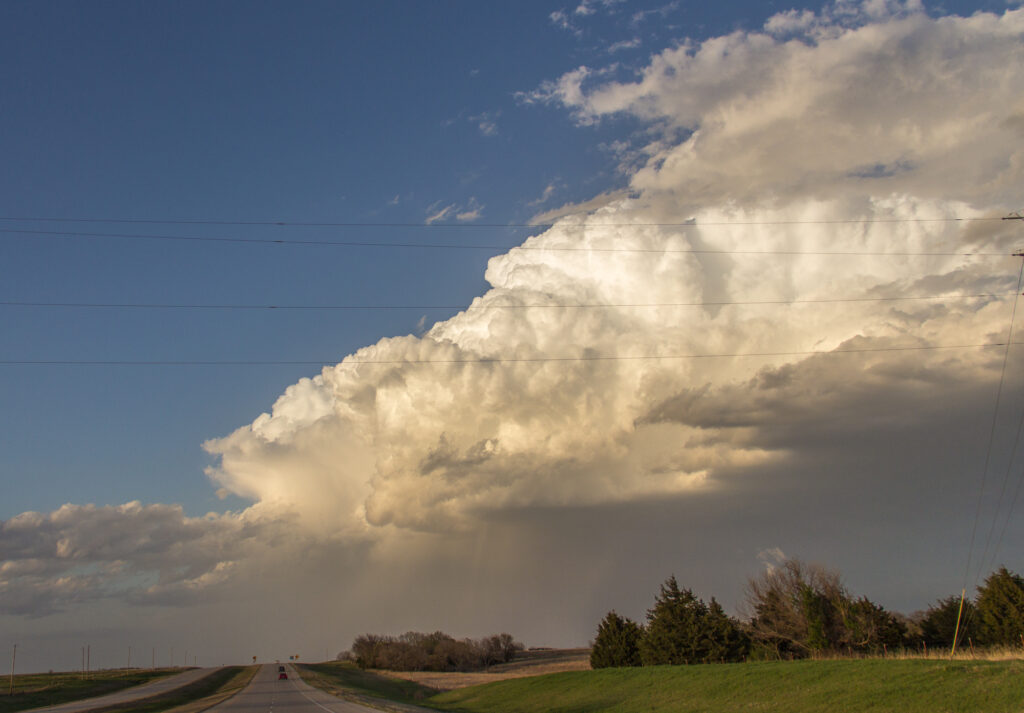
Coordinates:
333	112
318	112
458	123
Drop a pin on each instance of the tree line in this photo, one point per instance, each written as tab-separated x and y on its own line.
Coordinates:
415	651
796	610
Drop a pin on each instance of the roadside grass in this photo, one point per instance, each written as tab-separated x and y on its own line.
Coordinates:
527	663
193	698
852	686
347	680
196	696
232	686
36	690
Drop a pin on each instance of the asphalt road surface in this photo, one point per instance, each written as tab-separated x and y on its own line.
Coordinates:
268	694
134	693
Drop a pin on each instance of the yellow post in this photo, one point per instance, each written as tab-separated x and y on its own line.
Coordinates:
959	614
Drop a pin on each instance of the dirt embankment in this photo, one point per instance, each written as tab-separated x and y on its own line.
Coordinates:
534	662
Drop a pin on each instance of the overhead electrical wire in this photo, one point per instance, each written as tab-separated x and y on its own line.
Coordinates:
464	225
471	307
458	246
991	442
482	360
1002	492
1016	491
985	468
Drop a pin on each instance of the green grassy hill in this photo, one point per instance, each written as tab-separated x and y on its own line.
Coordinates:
906	686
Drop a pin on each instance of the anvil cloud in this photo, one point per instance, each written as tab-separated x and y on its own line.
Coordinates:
663	366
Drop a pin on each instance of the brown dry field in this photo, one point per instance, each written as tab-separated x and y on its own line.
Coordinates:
528	663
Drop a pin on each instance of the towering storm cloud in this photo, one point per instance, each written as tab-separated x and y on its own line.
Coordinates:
786	309
821	159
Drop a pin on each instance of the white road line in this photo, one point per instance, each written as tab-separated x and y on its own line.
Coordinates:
316	703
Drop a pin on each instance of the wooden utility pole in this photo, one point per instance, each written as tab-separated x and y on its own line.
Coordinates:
959	615
14	656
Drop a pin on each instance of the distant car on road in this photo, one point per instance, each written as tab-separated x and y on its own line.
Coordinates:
282	676
281	669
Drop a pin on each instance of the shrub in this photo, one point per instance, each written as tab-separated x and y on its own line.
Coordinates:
415	651
682	629
617	643
1000	609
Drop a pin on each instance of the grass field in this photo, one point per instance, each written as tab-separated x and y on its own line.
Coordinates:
49	689
854	686
205	692
348	681
35	690
526	663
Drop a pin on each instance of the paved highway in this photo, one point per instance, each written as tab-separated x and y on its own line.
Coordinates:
267	694
130	694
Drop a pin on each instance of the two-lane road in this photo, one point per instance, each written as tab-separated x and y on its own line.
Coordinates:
135	693
267	694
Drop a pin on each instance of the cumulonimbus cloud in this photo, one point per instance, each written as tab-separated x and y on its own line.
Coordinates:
680	338
541	392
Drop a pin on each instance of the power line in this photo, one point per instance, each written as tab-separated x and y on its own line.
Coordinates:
991	441
1016	493
497	360
984	469
436	225
459	246
467	308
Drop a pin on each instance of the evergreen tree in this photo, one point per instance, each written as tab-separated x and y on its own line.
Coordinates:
870	628
617	642
726	641
682	629
939	621
673	631
1001	609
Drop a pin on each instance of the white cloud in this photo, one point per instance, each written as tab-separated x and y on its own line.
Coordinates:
624	45
662	12
487	122
549	190
496	447
83	552
472	211
787	136
560	19
771	557
436	212
904	90
464	213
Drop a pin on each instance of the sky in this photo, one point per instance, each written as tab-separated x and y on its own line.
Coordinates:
328	318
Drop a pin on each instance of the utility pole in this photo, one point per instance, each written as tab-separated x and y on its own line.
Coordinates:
959	614
14	656
88	660
153	663
129	657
